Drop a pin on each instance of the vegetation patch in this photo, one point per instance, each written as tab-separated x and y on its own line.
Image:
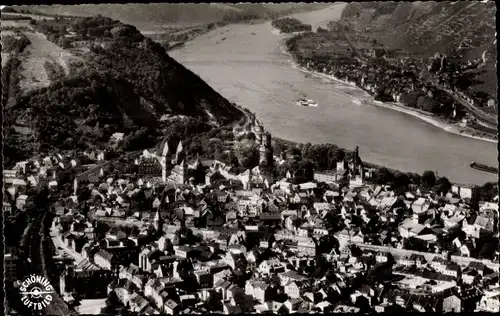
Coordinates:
14	44
291	25
54	70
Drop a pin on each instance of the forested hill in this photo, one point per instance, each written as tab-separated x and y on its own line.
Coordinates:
420	26
126	83
463	28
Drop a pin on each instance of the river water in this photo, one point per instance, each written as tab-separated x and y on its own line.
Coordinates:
245	65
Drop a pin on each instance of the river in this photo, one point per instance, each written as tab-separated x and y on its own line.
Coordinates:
244	64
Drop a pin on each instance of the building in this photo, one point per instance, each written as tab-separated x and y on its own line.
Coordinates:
329	176
10	267
149	167
463	190
179	174
489	303
104	260
265	149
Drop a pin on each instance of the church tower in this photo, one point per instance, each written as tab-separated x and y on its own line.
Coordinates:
183	171
179	154
163	162
157	222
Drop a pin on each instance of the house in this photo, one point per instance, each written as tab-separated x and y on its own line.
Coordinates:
171	307
307	247
291	276
21	201
453	221
294	304
413	260
230	309
452	304
489	303
475	225
410	229
138	303
325	306
439	264
237	249
463	190
257	289
296	289
382	257
271	266
452	269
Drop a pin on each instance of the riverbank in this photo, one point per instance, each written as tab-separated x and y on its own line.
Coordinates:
426	117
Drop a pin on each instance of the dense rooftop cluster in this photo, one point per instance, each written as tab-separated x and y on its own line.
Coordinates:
244	242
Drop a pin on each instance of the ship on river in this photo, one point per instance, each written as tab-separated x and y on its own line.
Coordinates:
484	168
306	102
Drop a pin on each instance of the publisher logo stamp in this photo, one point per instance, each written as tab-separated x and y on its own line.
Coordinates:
36	292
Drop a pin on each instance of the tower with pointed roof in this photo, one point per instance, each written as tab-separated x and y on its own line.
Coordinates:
183	172
158	222
163	161
179	154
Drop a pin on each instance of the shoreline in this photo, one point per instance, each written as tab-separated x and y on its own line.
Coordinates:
428	118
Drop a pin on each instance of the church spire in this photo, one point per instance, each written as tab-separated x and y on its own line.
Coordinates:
165	150
157	221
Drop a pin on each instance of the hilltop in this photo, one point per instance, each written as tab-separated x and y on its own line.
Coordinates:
464	29
122	82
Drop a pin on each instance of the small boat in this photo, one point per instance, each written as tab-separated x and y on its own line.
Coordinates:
484	168
306	102
356	101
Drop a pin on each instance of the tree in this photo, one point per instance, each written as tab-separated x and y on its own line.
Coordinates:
401	180
248	155
428	179
443	185
382	176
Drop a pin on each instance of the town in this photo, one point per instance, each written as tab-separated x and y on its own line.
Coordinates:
440	85
176	234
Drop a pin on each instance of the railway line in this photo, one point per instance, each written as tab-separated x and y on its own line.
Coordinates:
36	245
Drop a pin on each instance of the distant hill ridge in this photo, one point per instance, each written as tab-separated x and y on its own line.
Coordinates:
170	13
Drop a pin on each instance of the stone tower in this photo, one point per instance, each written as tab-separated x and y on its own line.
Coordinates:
183	171
265	150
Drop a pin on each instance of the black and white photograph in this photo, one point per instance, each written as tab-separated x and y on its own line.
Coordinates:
250	158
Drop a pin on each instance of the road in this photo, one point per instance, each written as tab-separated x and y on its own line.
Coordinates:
56	238
35	250
484	118
429	256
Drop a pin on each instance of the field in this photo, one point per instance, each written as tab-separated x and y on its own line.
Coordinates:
33	71
34	60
